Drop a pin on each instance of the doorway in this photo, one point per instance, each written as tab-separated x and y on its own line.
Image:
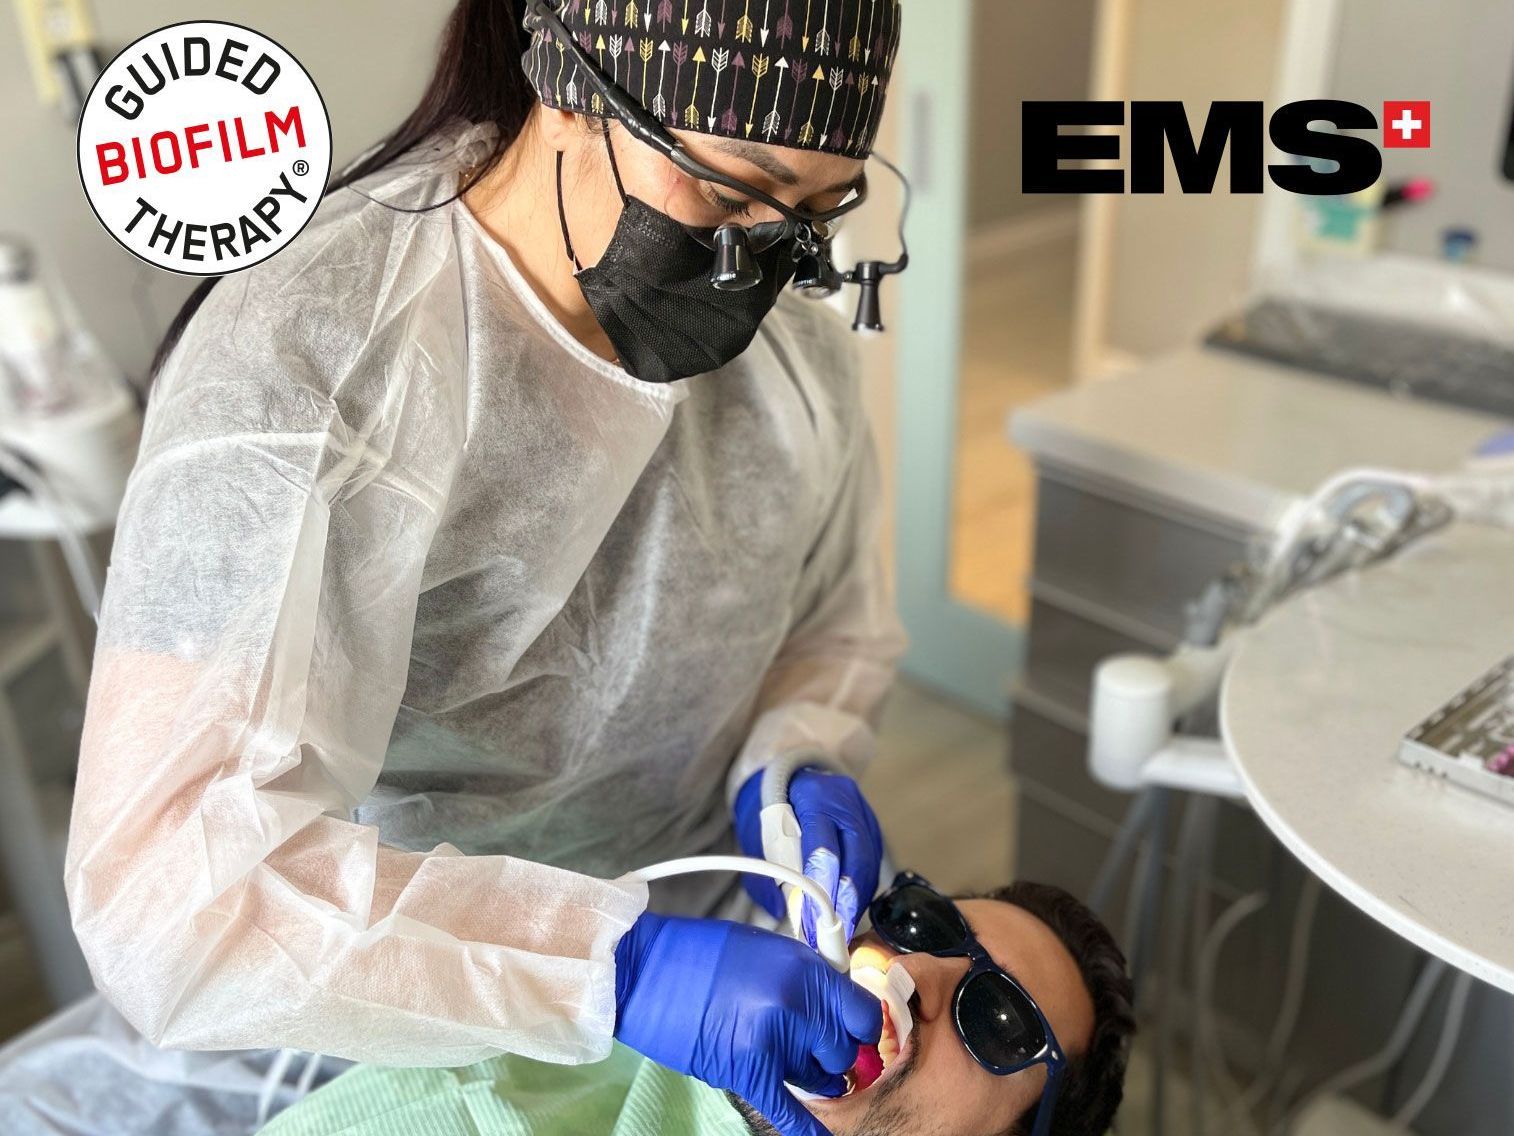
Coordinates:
1020	282
987	325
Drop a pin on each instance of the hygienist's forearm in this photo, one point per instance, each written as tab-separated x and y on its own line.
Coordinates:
221	908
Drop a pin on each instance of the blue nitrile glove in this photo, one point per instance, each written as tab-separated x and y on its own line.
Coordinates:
841	842
743	1010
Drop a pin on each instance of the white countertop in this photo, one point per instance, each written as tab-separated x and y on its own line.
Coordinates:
1239	439
1314	705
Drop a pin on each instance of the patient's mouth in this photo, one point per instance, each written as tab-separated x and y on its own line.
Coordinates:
874	971
866	1071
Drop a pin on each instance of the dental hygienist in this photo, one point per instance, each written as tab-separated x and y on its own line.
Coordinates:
455	580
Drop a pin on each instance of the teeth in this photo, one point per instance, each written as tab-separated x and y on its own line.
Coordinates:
892	986
869	958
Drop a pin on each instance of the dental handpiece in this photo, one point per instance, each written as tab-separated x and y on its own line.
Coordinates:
830	935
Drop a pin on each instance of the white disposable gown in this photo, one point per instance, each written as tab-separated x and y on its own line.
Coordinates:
423	622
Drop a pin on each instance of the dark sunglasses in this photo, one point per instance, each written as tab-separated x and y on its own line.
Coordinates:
999	1023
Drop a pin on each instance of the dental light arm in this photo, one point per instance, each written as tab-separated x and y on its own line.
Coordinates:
830	936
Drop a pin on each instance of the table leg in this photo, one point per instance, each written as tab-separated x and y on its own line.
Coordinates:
1174	940
1132	828
63	609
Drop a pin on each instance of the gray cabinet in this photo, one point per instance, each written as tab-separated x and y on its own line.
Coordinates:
1114	567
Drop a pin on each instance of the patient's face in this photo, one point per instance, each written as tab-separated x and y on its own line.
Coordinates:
934	1088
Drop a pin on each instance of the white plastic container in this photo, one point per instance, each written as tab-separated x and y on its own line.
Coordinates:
48	366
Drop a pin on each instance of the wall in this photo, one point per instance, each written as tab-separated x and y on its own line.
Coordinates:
875	235
1459	54
369	58
1028	49
1181	262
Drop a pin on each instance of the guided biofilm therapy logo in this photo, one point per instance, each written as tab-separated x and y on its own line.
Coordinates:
204	148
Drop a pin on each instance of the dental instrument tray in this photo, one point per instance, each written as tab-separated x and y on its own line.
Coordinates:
1470	739
1396	355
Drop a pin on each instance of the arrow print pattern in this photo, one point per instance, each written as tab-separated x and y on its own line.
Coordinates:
806	73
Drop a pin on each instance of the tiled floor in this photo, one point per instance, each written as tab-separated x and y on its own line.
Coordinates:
1017	344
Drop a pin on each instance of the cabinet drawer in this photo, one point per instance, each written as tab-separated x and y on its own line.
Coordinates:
1143	562
1063	651
1055	758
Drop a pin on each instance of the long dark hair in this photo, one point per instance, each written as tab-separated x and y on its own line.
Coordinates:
478	78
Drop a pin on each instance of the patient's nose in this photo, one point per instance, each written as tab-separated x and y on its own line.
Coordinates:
935	983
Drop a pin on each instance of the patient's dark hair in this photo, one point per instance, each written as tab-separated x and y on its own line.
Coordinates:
1094	1081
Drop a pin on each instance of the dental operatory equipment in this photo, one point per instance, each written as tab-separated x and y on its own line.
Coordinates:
49	366
68	420
1140	705
1355	518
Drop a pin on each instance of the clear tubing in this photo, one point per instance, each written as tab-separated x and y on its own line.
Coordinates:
1305	512
1450	1033
1208	965
1404	1032
830	937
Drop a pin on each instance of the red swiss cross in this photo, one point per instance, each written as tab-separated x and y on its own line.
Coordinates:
1406	125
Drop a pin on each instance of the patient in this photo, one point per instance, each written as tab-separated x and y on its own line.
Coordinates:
1056	949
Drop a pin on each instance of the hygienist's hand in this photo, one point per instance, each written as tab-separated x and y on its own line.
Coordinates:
841	842
743	1010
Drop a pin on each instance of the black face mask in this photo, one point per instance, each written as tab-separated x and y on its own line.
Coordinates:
652	295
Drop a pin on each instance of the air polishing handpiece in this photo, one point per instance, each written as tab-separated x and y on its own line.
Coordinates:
830	935
783	844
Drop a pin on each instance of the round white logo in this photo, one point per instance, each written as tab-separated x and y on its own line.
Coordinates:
204	148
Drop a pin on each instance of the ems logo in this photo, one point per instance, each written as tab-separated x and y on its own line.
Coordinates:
1406	125
1326	157
204	148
